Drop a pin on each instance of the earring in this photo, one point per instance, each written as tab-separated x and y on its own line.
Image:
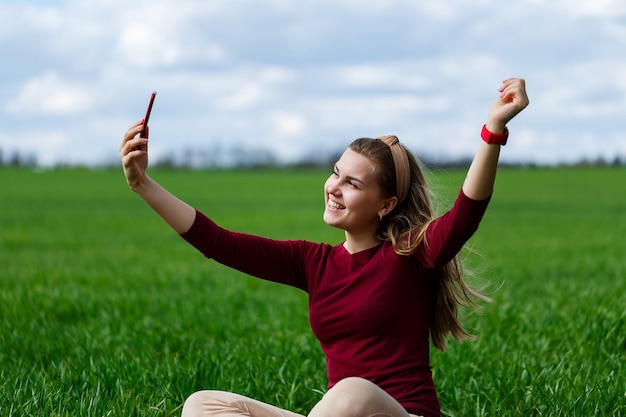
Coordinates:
380	216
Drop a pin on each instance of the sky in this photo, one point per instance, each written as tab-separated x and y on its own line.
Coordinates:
301	79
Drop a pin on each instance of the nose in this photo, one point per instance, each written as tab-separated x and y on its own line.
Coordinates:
332	185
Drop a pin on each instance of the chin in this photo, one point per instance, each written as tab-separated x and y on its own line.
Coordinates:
329	220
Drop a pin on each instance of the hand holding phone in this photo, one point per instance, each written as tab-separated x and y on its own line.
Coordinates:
144	132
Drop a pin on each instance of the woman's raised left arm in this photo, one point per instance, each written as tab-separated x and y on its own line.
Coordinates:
481	175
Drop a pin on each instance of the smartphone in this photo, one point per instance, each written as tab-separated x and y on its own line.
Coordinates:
144	132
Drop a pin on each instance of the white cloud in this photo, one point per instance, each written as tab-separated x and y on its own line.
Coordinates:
251	87
288	124
49	94
596	8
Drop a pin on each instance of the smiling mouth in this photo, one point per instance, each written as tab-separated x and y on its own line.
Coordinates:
335	205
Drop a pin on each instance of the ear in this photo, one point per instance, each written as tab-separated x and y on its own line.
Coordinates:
388	205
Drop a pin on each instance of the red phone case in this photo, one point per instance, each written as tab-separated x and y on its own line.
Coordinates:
144	132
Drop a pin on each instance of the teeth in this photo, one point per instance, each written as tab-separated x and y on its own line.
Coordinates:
335	205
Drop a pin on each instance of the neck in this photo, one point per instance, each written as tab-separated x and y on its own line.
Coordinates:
354	244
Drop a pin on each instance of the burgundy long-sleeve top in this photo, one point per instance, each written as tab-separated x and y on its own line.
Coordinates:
370	310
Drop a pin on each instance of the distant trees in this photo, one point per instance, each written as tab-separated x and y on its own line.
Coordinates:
17	159
241	157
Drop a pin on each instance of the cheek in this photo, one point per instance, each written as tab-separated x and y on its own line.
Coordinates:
366	205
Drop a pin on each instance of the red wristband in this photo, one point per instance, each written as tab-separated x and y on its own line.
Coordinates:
495	138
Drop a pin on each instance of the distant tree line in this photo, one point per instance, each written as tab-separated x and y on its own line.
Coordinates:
239	157
17	159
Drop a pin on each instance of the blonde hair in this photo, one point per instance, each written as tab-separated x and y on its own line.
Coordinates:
401	174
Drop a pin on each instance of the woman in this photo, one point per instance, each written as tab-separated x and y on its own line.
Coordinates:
376	299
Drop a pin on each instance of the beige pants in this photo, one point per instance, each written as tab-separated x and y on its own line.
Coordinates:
351	397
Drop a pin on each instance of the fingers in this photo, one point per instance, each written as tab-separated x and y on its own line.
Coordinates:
512	100
132	141
512	81
510	86
134	148
135	129
514	90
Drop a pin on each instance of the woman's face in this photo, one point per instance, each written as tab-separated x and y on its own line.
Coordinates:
353	196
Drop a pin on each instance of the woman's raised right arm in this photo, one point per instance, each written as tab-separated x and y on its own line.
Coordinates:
134	155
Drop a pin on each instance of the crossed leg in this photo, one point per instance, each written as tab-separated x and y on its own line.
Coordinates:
227	404
351	397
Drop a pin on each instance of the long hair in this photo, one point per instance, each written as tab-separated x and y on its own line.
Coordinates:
405	227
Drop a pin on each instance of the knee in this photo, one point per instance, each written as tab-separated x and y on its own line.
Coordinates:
199	404
352	386
350	397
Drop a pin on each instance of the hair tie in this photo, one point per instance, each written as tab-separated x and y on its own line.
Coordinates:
401	164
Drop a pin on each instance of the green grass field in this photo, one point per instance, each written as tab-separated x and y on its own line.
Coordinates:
106	312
